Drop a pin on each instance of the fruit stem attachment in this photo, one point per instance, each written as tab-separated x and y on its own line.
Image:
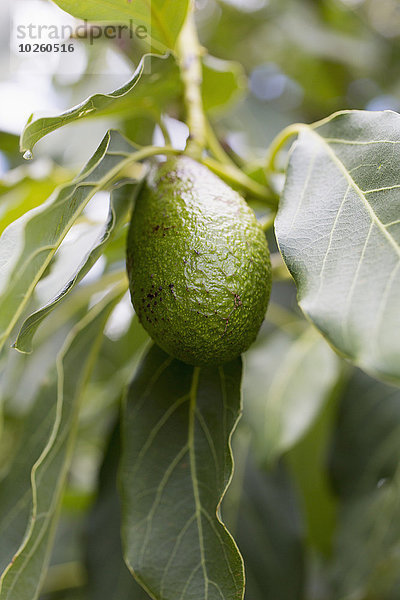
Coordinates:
236	177
189	52
215	146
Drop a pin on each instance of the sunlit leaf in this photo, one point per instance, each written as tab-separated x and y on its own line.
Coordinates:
26	194
223	82
176	464
121	202
154	84
163	19
338	229
288	379
22	578
28	245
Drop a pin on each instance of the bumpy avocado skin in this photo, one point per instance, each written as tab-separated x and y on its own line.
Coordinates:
198	264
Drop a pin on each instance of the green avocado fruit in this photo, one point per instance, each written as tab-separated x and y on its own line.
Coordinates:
198	264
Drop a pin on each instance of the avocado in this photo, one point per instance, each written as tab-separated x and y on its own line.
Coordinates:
198	264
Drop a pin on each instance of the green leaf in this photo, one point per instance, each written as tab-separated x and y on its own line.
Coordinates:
121	202
176	464
270	535
288	379
154	84
8	142
365	467
108	575
163	19
369	424
25	194
15	493
24	575
314	485
223	83
28	245
338	230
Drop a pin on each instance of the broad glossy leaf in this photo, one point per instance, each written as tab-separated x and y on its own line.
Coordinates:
154	84
28	245
176	465
121	202
108	575
163	19
288	379
338	228
23	577
223	83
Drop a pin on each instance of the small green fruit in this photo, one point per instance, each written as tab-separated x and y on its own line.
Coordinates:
198	264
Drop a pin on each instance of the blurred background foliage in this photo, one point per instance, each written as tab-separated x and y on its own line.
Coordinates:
315	500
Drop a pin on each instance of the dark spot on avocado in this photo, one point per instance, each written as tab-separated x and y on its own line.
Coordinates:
171	287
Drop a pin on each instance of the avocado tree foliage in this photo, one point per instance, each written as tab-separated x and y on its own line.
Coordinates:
309	511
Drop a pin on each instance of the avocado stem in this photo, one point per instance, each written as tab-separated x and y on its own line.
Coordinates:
189	52
215	146
236	177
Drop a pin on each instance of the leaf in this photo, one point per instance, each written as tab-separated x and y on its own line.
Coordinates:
152	90
370	523
28	245
121	202
15	493
287	381
314	485
365	468
270	534
176	464
163	19
223	83
23	577
338	230
24	195
369	425
8	143
108	575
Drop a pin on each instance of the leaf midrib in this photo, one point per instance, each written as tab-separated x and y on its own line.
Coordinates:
192	458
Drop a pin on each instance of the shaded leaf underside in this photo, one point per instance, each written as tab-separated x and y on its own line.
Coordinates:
339	232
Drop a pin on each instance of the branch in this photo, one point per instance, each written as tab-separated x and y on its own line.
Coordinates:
188	53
